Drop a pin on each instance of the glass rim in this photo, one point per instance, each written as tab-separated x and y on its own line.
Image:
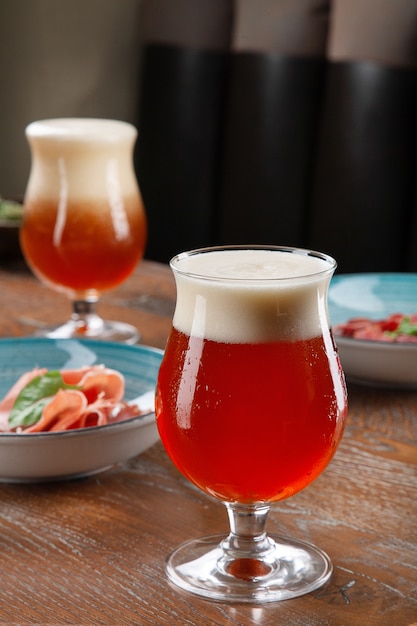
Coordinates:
332	264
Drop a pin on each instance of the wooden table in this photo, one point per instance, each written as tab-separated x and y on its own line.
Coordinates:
92	551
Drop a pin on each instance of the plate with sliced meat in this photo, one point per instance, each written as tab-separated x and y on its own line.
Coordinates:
71	408
374	321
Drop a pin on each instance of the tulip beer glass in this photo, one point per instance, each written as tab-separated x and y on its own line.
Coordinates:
84	224
250	404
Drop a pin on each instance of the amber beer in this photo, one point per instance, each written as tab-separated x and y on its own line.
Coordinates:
87	257
251	400
84	228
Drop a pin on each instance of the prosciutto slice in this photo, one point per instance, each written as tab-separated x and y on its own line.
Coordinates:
96	401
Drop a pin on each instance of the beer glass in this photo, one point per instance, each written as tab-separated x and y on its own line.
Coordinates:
84	223
250	405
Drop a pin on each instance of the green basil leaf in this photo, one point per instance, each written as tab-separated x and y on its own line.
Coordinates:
28	415
406	327
29	404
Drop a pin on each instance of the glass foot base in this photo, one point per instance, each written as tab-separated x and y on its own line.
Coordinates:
293	568
103	331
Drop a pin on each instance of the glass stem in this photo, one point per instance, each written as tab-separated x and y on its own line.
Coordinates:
248	552
84	315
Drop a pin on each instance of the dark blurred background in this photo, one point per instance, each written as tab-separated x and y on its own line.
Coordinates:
267	121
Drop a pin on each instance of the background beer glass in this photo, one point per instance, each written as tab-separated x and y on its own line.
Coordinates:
84	224
251	404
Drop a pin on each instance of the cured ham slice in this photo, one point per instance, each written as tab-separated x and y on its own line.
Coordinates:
97	382
62	413
95	399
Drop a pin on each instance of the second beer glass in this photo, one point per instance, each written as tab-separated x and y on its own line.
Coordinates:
84	224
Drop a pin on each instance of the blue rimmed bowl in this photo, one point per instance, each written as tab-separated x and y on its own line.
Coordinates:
78	453
375	296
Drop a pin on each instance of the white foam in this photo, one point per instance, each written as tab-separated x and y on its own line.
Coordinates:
83	129
251	295
86	157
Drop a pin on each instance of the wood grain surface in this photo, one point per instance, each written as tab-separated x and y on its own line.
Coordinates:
92	551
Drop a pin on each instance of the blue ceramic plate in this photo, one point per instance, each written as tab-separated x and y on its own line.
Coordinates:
63	455
375	296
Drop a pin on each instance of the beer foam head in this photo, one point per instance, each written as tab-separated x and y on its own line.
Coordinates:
246	295
82	157
81	130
